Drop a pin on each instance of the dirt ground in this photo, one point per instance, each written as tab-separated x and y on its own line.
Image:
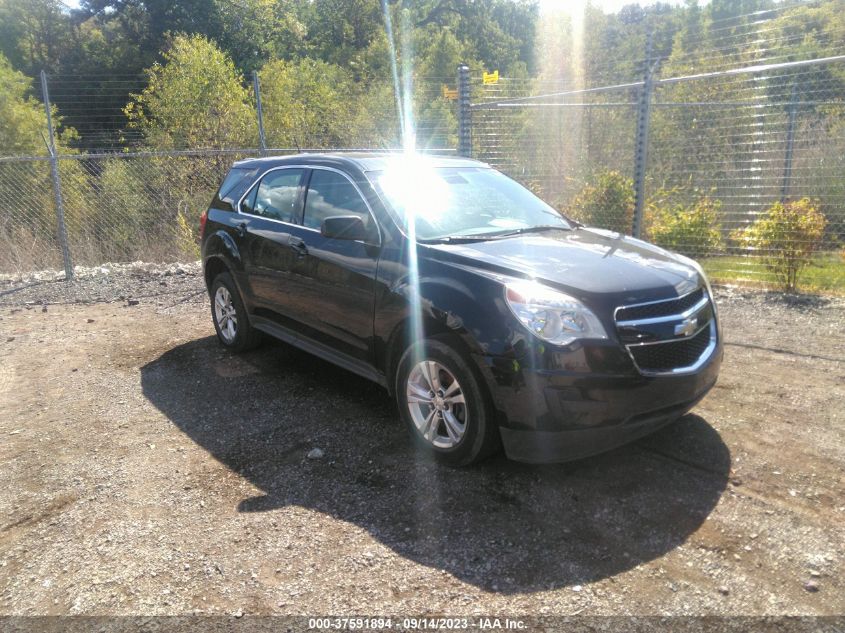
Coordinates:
146	471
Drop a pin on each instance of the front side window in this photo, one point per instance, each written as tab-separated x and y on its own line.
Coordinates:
440	202
330	194
276	196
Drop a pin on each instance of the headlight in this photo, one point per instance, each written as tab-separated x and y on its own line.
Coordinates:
700	270
553	316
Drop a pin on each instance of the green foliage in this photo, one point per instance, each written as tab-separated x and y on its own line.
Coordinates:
146	208
693	229
22	118
326	81
186	239
608	204
308	104
786	236
121	193
257	30
195	99
341	29
376	124
150	22
439	52
23	122
25	188
34	34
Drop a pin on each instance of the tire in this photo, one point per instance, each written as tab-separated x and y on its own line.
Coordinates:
457	425
235	332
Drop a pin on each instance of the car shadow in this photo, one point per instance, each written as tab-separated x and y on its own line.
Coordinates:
502	526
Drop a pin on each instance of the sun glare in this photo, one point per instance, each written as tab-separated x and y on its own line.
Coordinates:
414	186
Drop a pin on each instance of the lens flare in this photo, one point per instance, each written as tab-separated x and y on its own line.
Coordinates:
416	189
404	94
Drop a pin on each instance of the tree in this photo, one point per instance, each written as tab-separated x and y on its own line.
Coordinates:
255	31
28	223
439	53
34	34
498	33
150	21
27	204
308	103
195	99
338	30
22	119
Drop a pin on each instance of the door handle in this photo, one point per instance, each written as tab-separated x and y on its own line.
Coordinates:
241	229
298	244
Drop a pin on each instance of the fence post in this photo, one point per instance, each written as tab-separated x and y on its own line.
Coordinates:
259	113
464	113
57	182
641	144
790	142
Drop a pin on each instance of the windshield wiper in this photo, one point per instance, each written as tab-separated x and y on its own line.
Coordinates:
484	237
529	229
458	239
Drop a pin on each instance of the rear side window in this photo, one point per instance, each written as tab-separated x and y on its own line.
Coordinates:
276	197
237	181
330	193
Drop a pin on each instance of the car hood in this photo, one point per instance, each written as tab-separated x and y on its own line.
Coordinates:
580	261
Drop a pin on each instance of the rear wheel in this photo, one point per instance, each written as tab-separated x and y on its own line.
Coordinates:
444	405
229	315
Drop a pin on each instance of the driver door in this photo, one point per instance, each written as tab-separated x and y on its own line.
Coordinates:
335	279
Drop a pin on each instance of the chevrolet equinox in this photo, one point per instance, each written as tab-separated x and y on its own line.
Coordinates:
492	319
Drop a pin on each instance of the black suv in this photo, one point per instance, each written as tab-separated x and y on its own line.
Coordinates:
492	319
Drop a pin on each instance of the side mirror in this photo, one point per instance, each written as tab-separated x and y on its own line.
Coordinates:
344	227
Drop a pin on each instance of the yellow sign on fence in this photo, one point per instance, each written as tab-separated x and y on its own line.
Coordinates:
489	79
449	93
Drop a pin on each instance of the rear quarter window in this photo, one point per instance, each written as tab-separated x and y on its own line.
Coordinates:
235	184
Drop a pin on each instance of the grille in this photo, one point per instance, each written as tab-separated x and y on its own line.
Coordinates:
661	308
668	356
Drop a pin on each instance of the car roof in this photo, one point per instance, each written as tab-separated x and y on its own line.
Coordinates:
364	161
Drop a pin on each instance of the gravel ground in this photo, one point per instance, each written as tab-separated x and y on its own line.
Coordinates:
104	284
149	472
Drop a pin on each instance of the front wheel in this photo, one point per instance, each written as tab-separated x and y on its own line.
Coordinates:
444	405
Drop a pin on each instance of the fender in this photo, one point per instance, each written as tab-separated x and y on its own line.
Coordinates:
457	303
221	244
220	251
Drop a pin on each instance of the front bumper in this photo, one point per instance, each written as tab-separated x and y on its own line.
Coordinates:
560	415
540	447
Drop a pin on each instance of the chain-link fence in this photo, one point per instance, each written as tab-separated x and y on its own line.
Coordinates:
120	207
118	198
741	167
553	142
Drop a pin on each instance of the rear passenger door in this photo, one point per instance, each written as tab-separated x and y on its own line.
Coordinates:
268	212
335	279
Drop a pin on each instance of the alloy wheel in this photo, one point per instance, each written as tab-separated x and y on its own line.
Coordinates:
224	311
437	404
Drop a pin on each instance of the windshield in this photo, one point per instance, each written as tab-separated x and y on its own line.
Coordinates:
449	202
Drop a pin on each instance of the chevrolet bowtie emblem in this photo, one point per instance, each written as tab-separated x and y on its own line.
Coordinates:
687	327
